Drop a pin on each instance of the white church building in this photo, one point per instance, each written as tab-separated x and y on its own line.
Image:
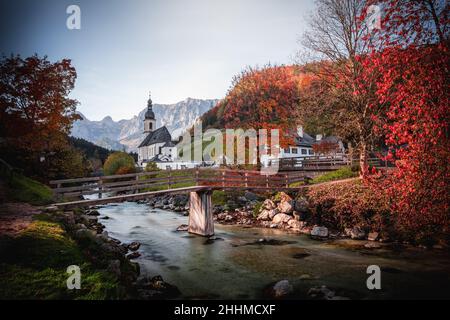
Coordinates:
157	145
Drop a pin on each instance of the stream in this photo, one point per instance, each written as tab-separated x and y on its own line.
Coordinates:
236	266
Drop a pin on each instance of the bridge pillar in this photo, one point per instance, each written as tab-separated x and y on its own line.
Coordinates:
200	213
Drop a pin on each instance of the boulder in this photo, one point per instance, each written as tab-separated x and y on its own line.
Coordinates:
273	226
357	234
183	227
85	233
373	236
301	205
264	215
282	196
296	225
133	255
319	232
250	196
268	204
281	218
372	245
282	289
285	207
93	213
221	216
134	246
242	200
321	293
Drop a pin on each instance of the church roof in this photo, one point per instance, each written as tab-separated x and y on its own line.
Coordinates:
158	136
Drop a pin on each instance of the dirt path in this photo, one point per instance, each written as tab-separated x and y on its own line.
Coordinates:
14	217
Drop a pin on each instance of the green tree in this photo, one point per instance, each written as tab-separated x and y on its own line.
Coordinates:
118	163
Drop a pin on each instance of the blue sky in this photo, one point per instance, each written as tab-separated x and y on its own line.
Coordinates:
175	48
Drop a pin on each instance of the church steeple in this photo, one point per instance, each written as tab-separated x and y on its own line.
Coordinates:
149	120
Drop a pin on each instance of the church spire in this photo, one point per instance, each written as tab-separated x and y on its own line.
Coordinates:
149	119
150	114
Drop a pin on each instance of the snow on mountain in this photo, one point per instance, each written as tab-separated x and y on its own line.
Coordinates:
127	134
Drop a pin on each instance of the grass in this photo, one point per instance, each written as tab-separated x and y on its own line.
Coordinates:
33	266
21	188
343	173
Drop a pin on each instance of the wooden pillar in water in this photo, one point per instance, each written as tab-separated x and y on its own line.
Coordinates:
200	213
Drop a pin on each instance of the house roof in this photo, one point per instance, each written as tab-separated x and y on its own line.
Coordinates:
305	141
160	135
330	139
169	144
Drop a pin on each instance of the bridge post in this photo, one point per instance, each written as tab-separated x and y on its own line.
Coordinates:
200	213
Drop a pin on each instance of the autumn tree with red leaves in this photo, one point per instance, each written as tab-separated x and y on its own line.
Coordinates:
36	113
411	55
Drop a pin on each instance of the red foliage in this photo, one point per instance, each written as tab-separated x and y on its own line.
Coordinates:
412	86
264	98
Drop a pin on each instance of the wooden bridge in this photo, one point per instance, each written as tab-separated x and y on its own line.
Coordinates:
199	183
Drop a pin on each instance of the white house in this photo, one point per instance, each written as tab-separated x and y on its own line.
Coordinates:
303	147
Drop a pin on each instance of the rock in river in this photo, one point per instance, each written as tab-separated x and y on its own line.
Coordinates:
357	234
183	227
281	289
319	232
133	255
134	246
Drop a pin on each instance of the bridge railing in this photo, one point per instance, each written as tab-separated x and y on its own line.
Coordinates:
123	183
171	179
329	163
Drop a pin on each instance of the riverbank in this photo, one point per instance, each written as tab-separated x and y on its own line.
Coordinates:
351	212
37	246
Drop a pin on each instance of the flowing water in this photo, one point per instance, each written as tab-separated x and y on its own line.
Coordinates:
234	267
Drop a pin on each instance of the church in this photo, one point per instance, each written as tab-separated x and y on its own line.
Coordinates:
157	145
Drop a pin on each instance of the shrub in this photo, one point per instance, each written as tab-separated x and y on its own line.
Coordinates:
257	209
151	166
348	204
119	162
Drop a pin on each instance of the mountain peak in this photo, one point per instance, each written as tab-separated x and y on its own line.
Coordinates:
107	119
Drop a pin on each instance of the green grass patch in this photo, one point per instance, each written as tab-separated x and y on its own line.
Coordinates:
219	197
33	266
343	173
21	188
